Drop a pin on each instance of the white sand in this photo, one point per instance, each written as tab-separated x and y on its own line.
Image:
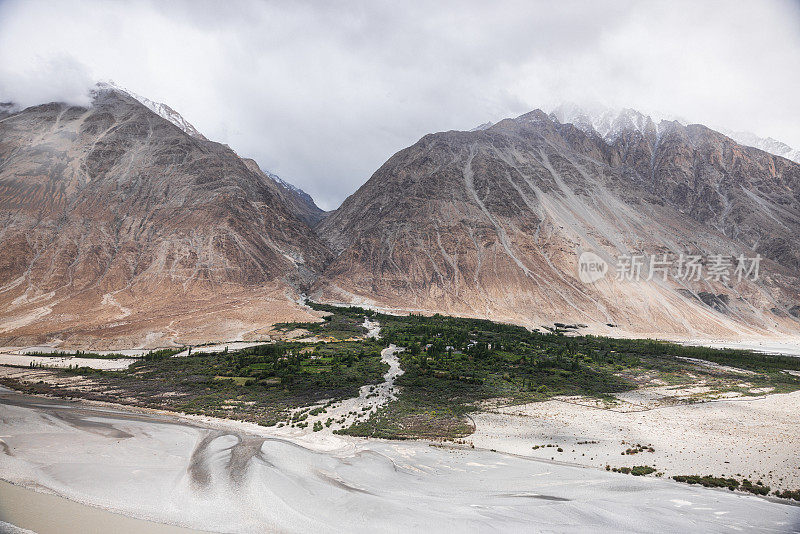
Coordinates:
373	328
8	528
65	361
163	469
758	439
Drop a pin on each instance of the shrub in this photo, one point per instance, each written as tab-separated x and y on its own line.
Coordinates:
787	494
641	470
709	481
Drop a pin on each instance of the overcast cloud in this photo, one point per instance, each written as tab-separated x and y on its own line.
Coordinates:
323	93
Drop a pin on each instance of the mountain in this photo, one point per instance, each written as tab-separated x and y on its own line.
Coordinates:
121	225
299	199
492	222
607	122
767	144
124	226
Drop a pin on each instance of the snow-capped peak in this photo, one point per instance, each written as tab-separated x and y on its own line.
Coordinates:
283	183
767	144
162	110
607	122
610	123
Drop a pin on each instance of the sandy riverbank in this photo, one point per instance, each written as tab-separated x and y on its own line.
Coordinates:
754	438
785	346
64	362
160	468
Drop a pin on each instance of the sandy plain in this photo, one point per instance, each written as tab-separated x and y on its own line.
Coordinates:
223	477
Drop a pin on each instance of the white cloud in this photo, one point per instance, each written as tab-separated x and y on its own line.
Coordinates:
323	93
45	79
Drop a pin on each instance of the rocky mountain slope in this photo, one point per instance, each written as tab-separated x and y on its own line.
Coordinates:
491	223
608	122
117	224
124	226
300	201
767	144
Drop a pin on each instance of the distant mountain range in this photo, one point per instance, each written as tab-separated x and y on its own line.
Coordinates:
303	204
767	144
124	226
609	122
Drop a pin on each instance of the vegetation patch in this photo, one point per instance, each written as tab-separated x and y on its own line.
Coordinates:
636	470
412	417
153	354
636	449
340	323
451	367
757	488
263	384
788	494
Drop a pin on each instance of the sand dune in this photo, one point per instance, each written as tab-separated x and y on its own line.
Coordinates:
222	478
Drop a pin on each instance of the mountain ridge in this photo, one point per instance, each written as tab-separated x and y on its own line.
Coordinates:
489	223
304	203
119	213
606	121
161	235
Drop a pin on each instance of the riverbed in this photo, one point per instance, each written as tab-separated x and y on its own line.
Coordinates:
218	477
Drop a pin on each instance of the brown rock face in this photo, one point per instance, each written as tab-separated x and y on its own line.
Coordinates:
116	224
490	223
121	229
296	200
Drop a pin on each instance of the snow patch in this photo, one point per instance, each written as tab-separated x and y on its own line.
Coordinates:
160	109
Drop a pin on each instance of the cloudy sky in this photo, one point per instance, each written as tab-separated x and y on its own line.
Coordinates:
322	93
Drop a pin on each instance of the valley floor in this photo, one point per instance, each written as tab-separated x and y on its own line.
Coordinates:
217	475
756	438
497	460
